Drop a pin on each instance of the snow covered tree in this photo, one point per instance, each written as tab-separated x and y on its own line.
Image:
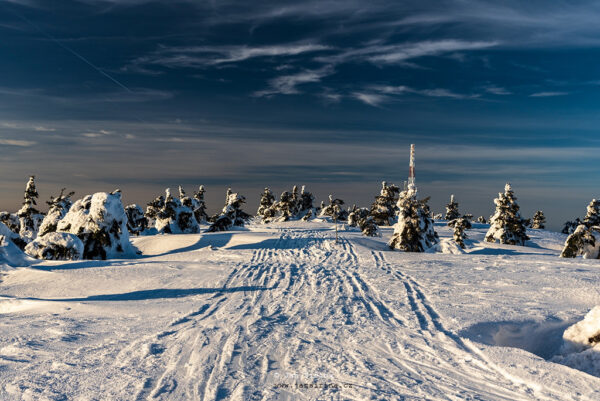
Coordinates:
29	217
539	220
384	208
361	218
414	231
583	241
571	226
295	201
59	207
56	246
100	222
481	220
460	225
592	217
266	211
175	218
334	209
452	210
232	214
200	206
354	214
285	207
14	237
136	221
506	225
306	210
11	220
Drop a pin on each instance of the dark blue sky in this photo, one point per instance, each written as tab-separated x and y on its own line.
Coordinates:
147	94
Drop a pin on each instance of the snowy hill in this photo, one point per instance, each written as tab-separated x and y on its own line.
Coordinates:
281	311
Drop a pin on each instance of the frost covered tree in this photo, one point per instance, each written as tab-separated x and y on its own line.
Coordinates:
295	201
152	210
384	208
539	220
285	207
232	214
354	214
452	210
361	218
29	217
460	225
175	218
136	221
334	209
414	231
200	206
583	241
506	225
100	222
592	217
481	220
265	211
59	207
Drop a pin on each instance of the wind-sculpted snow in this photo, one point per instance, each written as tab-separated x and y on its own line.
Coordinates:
282	311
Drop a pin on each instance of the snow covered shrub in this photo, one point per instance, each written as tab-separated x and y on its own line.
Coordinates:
10	254
232	214
414	230
481	220
506	225
361	218
571	226
285	207
59	207
265	208
200	206
354	214
584	241
11	220
100	222
12	236
152	210
539	220
384	208
136	221
460	225
452	210
174	217
29	217
56	246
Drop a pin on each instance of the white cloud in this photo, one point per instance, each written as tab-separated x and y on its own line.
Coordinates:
15	142
287	84
548	94
372	99
496	90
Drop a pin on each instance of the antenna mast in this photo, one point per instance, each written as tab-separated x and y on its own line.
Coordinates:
411	170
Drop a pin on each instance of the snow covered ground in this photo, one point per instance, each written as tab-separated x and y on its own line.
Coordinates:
281	311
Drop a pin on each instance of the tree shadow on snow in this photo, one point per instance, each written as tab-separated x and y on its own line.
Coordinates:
216	240
157	293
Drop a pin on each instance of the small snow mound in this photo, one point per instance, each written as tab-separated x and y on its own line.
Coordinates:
56	246
10	254
581	344
446	246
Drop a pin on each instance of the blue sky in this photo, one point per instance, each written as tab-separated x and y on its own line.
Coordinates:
143	95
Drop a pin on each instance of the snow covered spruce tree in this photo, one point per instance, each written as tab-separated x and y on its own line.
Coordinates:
306	210
136	221
571	226
200	206
232	214
452	210
334	209
414	230
56	246
460	225
152	210
175	218
59	207
592	217
265	210
29	217
583	241
481	220
285	207
361	218
539	220
506	225
100	222
384	208
11	220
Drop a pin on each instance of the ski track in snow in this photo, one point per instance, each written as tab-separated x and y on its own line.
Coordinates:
296	308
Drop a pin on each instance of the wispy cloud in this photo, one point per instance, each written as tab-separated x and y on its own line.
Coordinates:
497	90
375	95
287	84
548	94
16	142
372	99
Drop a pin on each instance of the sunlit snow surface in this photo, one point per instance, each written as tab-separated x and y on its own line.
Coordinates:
265	313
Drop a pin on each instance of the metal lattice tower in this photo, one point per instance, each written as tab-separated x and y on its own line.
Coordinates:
411	170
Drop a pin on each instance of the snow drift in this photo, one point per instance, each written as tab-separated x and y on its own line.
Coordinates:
581	344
